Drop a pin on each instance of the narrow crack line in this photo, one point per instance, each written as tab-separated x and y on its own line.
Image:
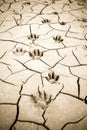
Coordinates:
17	114
73	65
78	87
67	31
58	93
61	48
72	96
26	95
14	41
3	55
44	117
16	21
40	124
58	53
76	57
43	9
7	82
73	122
13	48
27	61
44	123
9	69
8	104
76	38
9	28
13	73
50	25
27	67
31	19
74	74
21	90
4	63
30	122
24	82
63	44
44	62
58	62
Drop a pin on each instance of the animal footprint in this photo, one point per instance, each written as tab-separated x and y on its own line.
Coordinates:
19	51
33	37
45	21
41	99
36	54
58	38
52	77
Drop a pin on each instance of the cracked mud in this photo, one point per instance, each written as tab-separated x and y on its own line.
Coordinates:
43	64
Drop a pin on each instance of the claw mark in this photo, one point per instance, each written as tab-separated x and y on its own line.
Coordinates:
33	37
45	21
58	39
36	54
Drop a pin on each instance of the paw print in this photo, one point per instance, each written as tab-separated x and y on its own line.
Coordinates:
36	54
45	21
58	38
19	51
33	37
85	47
41	99
52	77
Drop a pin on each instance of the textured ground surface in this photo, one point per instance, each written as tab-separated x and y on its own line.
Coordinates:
43	65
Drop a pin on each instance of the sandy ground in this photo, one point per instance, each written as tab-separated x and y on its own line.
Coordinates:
43	65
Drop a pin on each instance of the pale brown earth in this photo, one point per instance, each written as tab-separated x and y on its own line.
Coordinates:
43	65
